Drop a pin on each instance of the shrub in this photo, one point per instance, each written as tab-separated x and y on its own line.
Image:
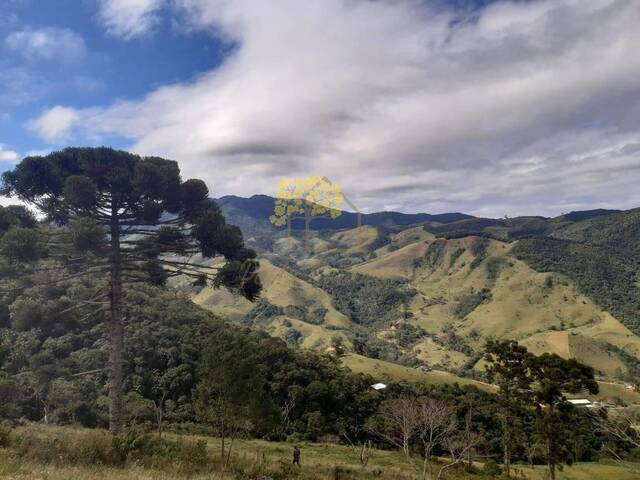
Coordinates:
491	468
99	448
5	433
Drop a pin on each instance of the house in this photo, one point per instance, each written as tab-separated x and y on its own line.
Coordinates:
378	386
580	402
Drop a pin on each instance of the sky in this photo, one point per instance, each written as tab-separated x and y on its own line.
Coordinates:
528	107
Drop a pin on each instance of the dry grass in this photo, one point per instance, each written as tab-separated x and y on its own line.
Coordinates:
260	459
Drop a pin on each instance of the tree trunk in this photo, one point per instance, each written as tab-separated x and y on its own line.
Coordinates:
160	411
550	461
116	330
222	449
507	453
426	466
551	450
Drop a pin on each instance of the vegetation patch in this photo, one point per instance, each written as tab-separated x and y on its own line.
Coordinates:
433	256
603	274
469	302
262	311
366	300
457	253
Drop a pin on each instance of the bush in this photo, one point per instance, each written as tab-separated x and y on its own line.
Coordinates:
491	468
90	448
5	434
100	448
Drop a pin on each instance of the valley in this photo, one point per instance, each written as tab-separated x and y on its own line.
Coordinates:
430	295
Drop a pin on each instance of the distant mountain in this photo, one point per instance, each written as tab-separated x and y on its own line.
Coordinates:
587	214
260	207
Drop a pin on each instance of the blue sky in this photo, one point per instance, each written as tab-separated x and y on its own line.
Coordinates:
412	105
108	67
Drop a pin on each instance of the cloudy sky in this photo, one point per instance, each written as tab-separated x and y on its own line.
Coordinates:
486	107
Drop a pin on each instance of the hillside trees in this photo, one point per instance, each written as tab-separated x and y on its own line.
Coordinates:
129	218
365	299
605	274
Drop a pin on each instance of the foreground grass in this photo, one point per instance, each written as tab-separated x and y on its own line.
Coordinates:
256	459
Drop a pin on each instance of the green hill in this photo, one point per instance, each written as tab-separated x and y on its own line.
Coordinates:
566	285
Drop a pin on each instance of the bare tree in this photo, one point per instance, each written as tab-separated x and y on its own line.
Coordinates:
462	445
396	422
620	427
436	422
285	412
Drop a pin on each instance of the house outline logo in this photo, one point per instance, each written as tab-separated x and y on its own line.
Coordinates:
307	199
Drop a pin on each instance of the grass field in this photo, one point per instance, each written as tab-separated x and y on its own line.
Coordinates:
272	459
392	372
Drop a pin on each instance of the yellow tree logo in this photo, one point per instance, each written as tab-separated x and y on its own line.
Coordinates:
306	198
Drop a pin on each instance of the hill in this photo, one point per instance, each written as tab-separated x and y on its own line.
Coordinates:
564	285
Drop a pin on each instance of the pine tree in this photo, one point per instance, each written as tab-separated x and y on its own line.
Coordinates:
131	219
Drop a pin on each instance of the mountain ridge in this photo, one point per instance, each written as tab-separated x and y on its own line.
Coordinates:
429	294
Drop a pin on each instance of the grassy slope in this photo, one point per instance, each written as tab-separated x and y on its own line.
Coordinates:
396	264
391	372
542	310
319	461
280	288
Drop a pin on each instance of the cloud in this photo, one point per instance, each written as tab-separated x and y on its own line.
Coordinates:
520	107
47	44
129	18
55	124
7	155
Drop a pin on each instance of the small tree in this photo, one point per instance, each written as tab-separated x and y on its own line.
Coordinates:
163	386
621	435
553	377
396	422
230	396
131	219
461	444
436	423
508	366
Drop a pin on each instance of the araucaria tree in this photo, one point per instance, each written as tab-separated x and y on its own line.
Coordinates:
131	219
553	377
508	366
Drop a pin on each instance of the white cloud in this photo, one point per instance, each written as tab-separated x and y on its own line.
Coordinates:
38	153
47	44
526	107
129	18
7	155
55	124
